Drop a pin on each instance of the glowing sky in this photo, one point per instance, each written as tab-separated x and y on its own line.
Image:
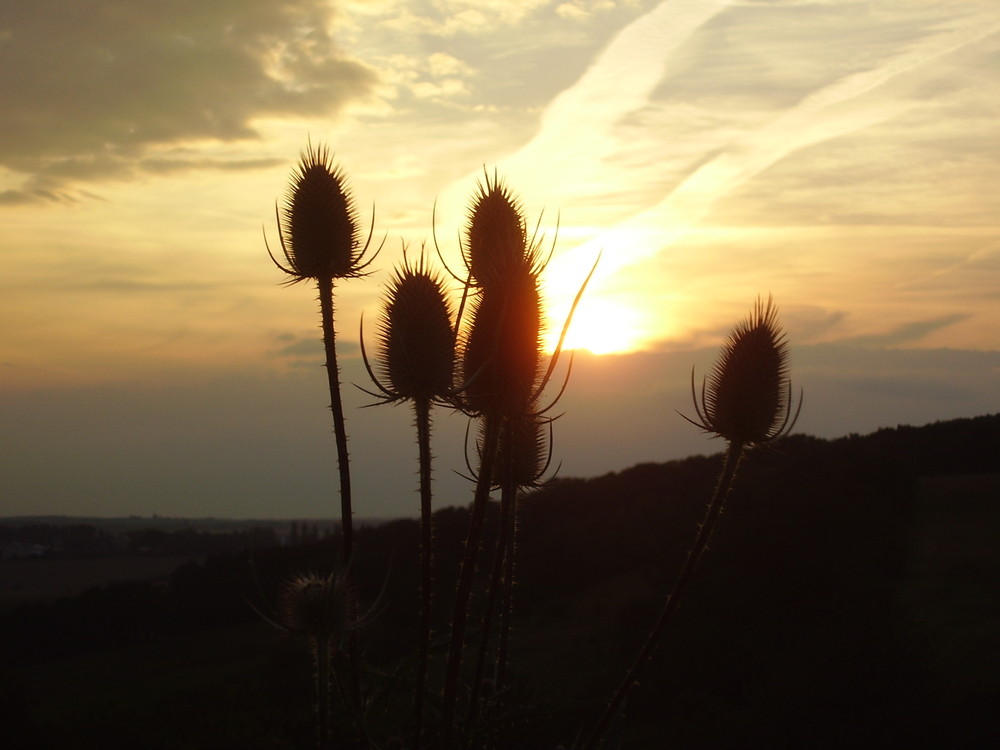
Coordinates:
843	156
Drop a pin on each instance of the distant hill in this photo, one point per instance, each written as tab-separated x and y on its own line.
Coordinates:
848	599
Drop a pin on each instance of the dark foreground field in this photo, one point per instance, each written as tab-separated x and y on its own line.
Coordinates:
849	599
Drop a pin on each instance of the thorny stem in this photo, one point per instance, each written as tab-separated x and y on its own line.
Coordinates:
321	656
325	286
733	456
510	520
422	410
465	579
484	637
496	581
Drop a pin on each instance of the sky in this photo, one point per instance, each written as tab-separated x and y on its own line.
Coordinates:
841	156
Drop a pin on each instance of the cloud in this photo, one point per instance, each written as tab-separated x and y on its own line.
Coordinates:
580	10
91	89
438	77
908	333
447	18
762	114
619	81
307	351
832	108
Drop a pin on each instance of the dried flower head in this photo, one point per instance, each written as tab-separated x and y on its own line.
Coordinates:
315	605
496	234
318	223
747	397
416	339
524	451
502	352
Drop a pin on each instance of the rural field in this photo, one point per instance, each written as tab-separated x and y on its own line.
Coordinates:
43	580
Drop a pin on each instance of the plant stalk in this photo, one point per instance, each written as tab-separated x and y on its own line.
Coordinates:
465	579
733	456
321	655
325	287
422	414
507	607
496	581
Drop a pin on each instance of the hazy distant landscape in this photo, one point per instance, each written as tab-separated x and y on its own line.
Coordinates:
851	603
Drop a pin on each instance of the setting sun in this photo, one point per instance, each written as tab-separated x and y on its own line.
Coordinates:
601	326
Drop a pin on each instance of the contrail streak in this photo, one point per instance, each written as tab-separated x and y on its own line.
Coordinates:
829	112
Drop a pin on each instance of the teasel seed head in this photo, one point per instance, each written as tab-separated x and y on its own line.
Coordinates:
416	339
496	233
502	351
747	397
530	451
318	223
315	606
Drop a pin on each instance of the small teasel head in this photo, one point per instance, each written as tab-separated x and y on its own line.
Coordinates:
747	397
525	451
416	338
502	351
496	236
318	222
315	606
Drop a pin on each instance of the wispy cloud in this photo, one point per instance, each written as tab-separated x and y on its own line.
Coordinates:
576	137
835	108
908	333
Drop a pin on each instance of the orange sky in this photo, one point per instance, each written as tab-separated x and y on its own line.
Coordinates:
840	156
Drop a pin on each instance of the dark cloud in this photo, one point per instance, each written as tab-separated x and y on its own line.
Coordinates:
308	350
89	87
908	333
310	347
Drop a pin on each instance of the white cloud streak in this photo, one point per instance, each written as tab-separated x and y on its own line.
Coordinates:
836	109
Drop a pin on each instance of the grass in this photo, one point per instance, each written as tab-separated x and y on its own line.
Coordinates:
951	585
906	655
43	580
236	686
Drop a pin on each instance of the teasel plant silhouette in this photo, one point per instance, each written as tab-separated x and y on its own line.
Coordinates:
416	363
524	455
317	607
746	400
501	373
320	237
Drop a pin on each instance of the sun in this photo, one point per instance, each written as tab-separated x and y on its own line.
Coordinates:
601	326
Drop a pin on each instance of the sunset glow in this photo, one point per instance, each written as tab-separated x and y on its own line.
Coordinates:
708	151
601	327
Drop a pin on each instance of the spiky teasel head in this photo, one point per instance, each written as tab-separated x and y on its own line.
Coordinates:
315	605
747	397
496	236
318	223
524	451
416	339
502	352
